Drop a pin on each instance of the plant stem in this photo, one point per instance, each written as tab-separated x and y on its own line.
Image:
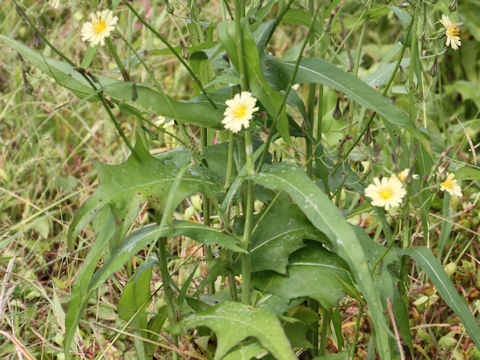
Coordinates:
246	242
239	43
356	66
206	206
287	91
324	335
355	335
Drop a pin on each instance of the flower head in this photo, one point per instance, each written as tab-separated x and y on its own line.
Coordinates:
101	24
388	192
451	186
239	111
452	33
54	3
402	175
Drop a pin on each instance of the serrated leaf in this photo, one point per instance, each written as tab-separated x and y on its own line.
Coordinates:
279	234
326	217
313	272
316	70
233	322
148	100
434	270
127	186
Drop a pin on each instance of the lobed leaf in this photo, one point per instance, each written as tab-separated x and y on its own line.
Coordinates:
233	322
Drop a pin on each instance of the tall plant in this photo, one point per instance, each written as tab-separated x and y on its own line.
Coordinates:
281	254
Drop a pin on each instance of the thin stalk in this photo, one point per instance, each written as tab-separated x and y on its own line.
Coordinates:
360	136
173	51
324	334
413	55
119	62
287	92
356	66
278	20
355	335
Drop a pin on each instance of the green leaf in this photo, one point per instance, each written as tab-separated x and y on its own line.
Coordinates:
233	322
300	17
434	270
120	92
326	217
155	326
467	173
308	268
280	233
137	292
127	186
246	352
316	70
383	74
132	304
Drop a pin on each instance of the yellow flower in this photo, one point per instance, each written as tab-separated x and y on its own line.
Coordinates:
54	3
239	111
101	24
386	193
452	33
402	175
451	186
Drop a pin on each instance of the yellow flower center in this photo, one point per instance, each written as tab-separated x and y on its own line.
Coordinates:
449	183
386	194
240	111
100	26
452	30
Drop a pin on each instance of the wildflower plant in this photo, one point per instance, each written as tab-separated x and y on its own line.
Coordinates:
277	254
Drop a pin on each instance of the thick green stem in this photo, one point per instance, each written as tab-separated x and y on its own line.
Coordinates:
246	242
240	50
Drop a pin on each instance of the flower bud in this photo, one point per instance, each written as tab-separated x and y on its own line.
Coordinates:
453	5
196	202
337	113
